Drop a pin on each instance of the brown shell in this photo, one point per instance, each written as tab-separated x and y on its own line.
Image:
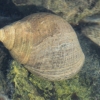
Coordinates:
46	44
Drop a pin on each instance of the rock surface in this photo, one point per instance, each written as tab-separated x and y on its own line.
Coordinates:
90	27
72	11
4	56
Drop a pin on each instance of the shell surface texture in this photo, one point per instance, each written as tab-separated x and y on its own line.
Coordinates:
45	44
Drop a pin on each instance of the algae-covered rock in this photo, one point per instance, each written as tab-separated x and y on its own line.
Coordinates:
71	10
30	87
24	89
90	73
4	88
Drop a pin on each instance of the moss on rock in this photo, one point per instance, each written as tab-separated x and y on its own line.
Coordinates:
30	87
24	89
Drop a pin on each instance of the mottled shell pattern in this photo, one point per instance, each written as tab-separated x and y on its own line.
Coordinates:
45	44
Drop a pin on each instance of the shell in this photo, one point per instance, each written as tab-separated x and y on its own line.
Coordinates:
45	44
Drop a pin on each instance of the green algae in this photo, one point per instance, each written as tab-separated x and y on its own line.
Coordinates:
30	87
72	90
24	89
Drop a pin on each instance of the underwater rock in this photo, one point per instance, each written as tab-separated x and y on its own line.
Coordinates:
23	88
30	87
3	97
8	8
72	11
4	59
90	27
